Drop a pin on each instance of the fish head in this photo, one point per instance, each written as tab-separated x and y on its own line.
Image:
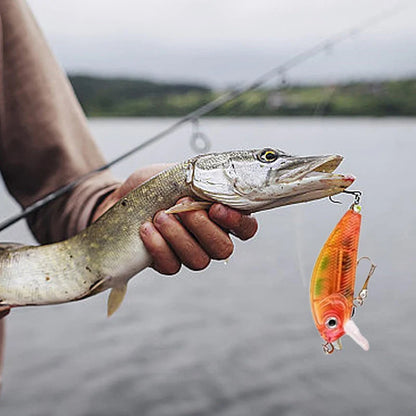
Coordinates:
256	180
333	320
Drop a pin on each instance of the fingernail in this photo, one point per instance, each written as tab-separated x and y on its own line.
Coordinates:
160	218
146	228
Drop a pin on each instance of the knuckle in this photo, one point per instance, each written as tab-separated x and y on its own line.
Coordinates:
199	216
220	249
194	220
163	221
235	220
225	216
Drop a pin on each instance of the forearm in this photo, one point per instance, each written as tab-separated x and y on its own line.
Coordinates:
44	138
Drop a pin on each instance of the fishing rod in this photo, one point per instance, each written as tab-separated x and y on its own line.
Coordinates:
278	71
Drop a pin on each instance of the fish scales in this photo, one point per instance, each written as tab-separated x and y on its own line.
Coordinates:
67	270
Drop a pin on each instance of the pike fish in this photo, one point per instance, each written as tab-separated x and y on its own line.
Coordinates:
110	252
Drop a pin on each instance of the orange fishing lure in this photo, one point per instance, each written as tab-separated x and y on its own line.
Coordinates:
333	280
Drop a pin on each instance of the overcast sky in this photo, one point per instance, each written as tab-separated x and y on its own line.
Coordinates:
223	42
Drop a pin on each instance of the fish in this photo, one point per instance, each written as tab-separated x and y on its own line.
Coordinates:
108	253
332	284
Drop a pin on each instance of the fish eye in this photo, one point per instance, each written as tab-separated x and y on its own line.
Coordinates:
267	155
331	323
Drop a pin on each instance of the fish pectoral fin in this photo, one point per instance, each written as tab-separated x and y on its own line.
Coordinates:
115	298
189	206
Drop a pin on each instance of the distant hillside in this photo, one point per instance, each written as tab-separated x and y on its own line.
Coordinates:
135	97
113	96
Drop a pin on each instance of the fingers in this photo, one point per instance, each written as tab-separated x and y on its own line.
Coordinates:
164	259
181	241
170	244
194	238
214	240
242	226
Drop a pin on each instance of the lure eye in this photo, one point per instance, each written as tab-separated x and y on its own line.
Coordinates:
267	156
331	323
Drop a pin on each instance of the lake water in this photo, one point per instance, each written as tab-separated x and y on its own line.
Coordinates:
237	339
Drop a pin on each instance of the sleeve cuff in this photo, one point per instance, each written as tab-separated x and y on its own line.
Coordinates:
71	213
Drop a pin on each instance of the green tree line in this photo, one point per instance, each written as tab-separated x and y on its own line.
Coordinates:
126	97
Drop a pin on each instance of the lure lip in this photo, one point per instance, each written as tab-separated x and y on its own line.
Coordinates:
352	330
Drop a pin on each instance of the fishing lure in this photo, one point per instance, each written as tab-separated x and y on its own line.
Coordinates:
333	280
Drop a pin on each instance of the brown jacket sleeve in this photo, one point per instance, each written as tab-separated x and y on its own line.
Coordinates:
44	139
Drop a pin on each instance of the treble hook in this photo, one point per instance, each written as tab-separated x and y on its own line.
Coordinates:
328	348
357	195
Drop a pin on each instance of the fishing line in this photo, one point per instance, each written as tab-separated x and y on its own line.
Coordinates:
196	139
298	219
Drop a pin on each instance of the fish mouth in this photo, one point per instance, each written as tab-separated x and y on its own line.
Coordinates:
311	166
309	178
328	164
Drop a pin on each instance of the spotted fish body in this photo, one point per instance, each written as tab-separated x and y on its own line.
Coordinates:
333	280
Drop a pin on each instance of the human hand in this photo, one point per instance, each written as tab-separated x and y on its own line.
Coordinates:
190	238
